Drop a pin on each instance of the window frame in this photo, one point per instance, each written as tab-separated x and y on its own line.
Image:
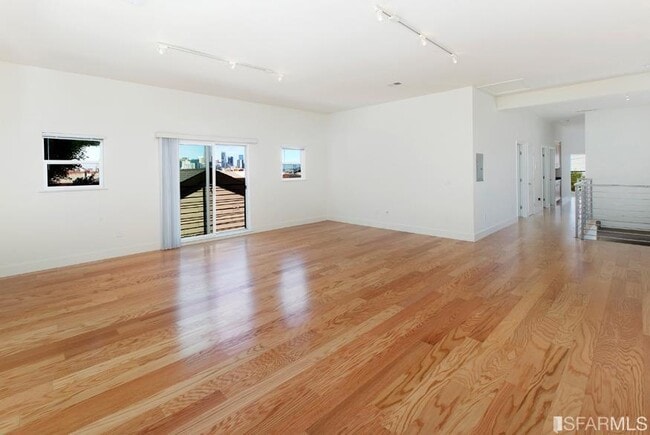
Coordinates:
303	152
99	163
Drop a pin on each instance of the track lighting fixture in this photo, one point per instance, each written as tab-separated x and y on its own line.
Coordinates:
424	40
164	47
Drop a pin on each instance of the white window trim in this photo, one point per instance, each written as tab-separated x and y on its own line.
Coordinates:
303	171
99	163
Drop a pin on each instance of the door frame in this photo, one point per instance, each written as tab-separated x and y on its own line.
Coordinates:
522	152
545	186
227	233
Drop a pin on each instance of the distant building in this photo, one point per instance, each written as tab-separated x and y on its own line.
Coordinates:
291	170
186	163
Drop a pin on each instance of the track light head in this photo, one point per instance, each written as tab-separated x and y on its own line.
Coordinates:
424	40
163	48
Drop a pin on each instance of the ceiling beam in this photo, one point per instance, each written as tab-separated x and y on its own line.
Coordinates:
579	91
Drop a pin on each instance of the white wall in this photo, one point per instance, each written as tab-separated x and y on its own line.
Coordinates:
572	136
496	134
42	230
617	145
618	152
405	165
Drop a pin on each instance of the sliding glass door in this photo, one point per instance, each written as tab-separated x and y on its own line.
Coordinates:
212	188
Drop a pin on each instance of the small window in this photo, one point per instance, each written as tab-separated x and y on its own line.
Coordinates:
293	164
72	162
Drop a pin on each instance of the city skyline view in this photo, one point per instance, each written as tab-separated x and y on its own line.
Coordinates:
224	155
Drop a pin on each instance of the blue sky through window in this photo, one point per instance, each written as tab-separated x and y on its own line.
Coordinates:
195	151
291	156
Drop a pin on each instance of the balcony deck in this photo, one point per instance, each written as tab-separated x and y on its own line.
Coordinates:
230	206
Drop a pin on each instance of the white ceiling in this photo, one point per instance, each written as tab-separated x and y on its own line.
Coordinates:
334	53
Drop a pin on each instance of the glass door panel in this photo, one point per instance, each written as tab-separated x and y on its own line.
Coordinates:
229	207
196	202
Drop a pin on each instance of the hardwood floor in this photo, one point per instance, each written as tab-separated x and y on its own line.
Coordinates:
330	328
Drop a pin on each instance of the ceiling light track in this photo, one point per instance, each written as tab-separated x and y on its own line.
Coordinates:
424	40
164	47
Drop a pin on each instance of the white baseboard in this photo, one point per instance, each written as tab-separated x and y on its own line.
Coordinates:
51	263
494	228
405	228
88	257
62	261
287	224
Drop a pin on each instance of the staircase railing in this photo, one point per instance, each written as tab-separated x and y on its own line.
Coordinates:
584	206
618	212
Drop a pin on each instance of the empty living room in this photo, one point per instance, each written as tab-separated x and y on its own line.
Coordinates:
315	217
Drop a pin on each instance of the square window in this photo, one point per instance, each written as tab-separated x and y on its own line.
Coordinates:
293	164
72	162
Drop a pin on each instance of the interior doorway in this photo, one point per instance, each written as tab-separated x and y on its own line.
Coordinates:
212	188
577	168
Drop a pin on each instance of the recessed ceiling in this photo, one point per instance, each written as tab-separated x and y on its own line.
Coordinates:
506	87
577	108
334	54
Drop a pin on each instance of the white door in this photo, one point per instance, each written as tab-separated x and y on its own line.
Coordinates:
524	187
551	176
548	177
545	189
